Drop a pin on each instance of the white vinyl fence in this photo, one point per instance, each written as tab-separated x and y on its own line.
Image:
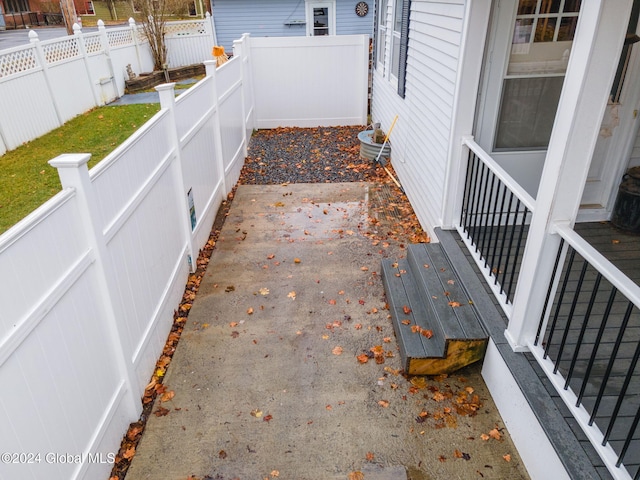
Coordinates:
90	280
310	81
45	84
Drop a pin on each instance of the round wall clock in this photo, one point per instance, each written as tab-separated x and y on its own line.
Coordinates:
362	9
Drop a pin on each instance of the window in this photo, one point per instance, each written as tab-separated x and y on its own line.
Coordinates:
16	6
399	41
321	18
540	48
382	34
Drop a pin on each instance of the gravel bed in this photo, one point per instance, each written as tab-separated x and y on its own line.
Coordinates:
308	155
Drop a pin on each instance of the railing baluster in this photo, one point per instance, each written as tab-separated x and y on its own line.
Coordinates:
549	291
487	226
623	392
518	252
612	358
572	310
596	344
583	329
507	262
481	191
495	195
556	315
502	193
475	200
467	185
627	442
504	241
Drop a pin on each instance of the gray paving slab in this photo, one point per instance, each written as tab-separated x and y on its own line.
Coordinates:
266	377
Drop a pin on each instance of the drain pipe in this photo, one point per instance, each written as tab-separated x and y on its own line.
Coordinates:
377	160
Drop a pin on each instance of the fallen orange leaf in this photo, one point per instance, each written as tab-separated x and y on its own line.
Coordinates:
337	350
363	358
166	396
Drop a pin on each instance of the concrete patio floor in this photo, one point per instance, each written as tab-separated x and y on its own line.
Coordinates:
266	377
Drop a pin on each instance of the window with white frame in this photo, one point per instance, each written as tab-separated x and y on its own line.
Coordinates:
381	42
321	17
398	35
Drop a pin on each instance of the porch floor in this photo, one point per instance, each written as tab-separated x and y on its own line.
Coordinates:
623	250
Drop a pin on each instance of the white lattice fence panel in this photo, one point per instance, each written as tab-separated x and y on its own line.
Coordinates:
18	61
176	29
120	38
59	50
92	43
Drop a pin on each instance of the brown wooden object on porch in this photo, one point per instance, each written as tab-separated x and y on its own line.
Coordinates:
437	327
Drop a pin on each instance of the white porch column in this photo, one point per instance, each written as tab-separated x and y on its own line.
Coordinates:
470	61
594	57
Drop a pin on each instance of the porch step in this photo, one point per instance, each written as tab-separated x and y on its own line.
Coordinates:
434	319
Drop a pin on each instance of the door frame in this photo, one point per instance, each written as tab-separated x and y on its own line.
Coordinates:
330	5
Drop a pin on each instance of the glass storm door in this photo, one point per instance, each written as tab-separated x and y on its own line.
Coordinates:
528	53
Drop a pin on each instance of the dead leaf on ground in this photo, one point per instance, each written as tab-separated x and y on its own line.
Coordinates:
507	457
161	412
256	413
383	403
356	476
129	452
292	295
166	396
337	350
264	291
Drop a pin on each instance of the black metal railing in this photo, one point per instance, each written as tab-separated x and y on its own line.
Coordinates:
590	331
494	221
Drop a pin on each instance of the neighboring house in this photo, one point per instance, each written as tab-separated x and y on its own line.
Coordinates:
124	9
287	18
549	91
25	13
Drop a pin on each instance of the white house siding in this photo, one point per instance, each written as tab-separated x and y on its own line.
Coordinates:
420	138
267	18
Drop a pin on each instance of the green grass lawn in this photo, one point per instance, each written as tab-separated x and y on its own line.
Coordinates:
27	180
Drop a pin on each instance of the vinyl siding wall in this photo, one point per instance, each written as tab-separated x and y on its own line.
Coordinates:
266	18
420	139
